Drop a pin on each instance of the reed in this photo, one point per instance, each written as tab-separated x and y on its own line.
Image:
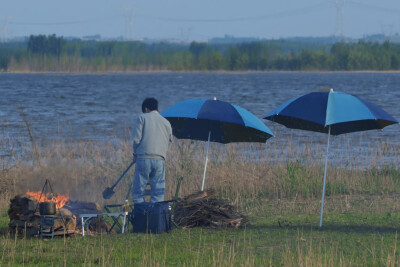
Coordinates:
243	173
278	185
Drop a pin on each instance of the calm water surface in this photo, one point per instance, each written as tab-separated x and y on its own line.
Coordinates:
104	106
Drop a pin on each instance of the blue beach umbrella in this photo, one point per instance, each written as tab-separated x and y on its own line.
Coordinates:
215	121
333	113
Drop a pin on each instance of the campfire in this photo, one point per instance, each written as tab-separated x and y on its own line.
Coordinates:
25	217
201	209
60	200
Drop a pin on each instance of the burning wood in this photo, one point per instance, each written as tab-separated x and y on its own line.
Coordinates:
204	209
24	213
60	200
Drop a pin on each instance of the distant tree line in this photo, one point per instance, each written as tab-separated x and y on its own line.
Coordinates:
52	53
45	45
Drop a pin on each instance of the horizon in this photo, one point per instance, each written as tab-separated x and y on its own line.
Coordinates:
223	39
190	20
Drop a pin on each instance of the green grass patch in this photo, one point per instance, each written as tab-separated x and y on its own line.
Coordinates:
281	233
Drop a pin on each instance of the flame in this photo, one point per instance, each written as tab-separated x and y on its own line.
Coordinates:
59	199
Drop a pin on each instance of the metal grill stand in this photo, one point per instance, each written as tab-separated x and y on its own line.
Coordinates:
85	220
47	226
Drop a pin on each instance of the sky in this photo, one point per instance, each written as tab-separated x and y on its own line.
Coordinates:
199	19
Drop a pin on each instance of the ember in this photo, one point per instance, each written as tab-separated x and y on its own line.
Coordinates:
59	199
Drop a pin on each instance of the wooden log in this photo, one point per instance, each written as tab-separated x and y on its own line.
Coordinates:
24	216
66	223
63	212
22	224
67	233
26	204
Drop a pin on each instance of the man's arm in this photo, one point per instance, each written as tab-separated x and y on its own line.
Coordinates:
170	137
137	133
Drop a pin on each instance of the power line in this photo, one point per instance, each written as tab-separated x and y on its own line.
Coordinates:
375	8
94	20
394	11
292	12
130	12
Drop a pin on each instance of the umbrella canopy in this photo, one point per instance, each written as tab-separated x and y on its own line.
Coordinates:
345	113
195	118
215	121
332	113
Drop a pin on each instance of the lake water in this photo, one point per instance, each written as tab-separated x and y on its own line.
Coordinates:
94	106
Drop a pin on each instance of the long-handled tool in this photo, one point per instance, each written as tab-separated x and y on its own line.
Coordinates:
109	191
175	202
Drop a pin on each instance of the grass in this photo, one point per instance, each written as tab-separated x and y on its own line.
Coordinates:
280	194
278	236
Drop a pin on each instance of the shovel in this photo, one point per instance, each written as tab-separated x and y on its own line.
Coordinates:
109	191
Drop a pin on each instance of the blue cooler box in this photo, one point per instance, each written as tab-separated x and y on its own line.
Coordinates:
151	218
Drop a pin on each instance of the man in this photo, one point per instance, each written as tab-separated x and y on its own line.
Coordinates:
152	136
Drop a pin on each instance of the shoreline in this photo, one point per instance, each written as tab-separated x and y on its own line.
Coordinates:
196	72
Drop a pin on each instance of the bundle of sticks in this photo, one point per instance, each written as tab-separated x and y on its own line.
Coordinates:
203	209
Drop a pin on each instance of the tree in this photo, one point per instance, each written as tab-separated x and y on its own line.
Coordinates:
340	51
197	48
50	45
4	61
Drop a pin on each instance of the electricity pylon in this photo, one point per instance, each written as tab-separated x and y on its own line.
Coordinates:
3	28
339	4
128	15
185	34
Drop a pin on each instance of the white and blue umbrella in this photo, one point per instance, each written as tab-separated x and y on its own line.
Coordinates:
215	121
333	113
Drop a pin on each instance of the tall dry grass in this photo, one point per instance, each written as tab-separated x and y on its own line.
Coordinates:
256	177
241	172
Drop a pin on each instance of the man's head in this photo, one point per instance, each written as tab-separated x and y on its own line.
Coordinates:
149	104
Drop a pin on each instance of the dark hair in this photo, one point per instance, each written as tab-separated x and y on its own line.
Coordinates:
151	103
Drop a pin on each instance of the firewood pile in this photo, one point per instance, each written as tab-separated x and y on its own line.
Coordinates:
203	209
25	217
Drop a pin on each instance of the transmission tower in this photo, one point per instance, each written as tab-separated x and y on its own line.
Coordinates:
339	4
185	34
386	29
3	28
128	15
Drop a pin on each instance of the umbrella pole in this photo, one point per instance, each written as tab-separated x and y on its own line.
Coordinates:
326	165
205	164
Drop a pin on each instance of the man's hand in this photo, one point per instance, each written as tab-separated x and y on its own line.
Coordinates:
134	158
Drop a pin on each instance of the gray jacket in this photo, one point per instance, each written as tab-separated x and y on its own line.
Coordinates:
152	136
